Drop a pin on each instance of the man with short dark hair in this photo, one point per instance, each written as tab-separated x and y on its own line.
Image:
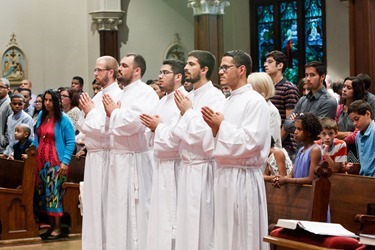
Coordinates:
77	84
27	95
286	95
131	158
318	101
241	148
5	111
195	210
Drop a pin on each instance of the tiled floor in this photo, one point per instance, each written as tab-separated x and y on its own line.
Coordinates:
71	244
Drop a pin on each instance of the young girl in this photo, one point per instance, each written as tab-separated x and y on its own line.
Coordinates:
278	163
309	156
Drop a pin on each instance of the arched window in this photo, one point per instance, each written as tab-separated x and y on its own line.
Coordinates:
296	28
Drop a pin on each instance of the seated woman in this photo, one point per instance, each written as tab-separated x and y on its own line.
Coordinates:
309	156
278	163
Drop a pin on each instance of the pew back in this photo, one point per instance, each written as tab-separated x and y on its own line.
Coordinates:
350	195
11	173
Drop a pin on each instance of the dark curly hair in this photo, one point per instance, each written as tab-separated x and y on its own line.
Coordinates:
310	124
57	109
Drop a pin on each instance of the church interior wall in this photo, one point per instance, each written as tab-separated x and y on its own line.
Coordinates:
59	40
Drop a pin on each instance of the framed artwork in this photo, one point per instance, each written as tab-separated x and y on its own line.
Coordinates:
13	63
175	50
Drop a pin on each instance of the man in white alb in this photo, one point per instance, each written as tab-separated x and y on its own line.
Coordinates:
94	124
131	159
162	221
242	142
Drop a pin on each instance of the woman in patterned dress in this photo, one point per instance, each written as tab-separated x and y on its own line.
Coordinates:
55	141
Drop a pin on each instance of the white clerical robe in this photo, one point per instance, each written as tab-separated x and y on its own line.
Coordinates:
242	146
163	207
97	142
195	210
130	172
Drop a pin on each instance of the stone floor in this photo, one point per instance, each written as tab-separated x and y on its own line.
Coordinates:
71	244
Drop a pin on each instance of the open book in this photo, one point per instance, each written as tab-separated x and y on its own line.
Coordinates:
367	239
321	228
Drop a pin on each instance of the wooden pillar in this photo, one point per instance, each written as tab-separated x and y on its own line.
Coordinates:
107	23
208	28
362	38
109	43
208	35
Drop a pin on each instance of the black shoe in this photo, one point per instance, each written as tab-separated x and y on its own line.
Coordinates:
45	235
54	237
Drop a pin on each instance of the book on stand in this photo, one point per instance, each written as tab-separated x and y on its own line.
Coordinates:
367	239
321	228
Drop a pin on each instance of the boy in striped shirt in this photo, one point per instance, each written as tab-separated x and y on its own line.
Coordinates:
334	151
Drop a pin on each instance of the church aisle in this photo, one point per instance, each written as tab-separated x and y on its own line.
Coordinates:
72	244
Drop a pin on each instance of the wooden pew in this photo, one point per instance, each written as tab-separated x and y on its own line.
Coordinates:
17	181
71	200
350	195
299	202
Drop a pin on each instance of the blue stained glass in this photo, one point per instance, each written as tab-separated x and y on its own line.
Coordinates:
266	41
288	10
313	8
314	39
289	36
265	13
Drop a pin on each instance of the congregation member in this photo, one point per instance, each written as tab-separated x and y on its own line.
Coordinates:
309	156
131	159
262	83
318	101
27	84
22	135
19	116
55	143
38	107
98	141
242	144
370	97
162	222
286	95
27	107
5	112
334	150
195	210
69	103
360	113
77	84
353	90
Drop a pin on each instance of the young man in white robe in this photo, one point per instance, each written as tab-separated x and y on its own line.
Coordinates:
195	210
242	142
162	221
94	123
131	159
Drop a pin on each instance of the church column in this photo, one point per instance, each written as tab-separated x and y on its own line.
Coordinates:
208	28
362	38
106	21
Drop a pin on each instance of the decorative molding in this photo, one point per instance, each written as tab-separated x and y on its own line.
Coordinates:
107	20
208	7
13	62
175	49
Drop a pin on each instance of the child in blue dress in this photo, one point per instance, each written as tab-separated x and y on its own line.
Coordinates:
309	155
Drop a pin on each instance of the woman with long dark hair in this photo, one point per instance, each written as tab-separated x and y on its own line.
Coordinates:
55	141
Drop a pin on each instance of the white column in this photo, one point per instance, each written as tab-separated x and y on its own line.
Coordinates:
108	16
208	7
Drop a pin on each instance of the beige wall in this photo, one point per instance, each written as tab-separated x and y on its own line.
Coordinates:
59	40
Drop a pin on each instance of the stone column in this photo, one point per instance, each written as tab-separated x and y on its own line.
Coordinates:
208	28
106	21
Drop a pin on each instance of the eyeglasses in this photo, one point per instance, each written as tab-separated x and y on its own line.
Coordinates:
225	68
38	101
99	70
165	72
65	96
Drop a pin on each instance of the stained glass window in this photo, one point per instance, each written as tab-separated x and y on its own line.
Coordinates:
291	26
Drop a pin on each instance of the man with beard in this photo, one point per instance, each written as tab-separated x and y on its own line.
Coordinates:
242	145
131	160
98	141
195	211
162	222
